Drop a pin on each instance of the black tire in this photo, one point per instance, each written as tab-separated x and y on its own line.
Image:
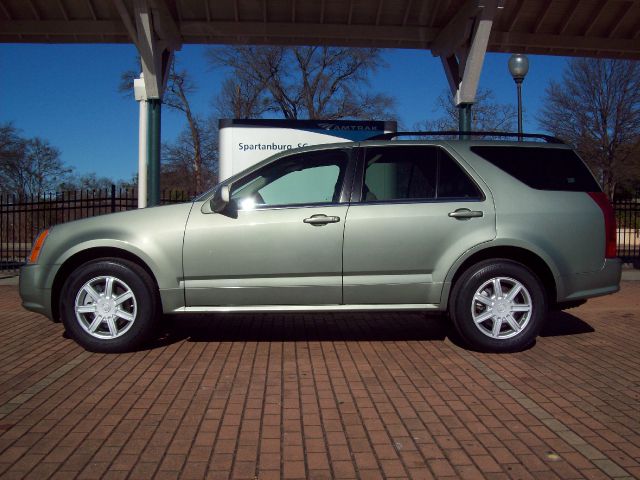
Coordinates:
498	333
142	307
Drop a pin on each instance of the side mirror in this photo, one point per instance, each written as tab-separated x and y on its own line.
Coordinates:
220	199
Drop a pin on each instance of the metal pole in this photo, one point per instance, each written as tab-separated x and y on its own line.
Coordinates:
519	88
142	155
153	154
464	119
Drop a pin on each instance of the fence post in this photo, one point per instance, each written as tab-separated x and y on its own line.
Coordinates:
113	198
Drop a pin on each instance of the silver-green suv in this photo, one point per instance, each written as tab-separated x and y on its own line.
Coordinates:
494	232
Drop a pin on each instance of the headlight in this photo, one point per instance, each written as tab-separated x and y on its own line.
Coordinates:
37	246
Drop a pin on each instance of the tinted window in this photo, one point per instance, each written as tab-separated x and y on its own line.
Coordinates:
541	168
453	182
408	172
396	173
314	177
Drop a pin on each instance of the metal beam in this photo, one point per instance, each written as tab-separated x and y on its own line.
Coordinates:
62	28
156	36
92	10
165	26
63	10
419	37
462	45
149	49
207	11
563	43
5	11
475	54
34	10
457	31
127	21
286	33
568	16
406	13
515	15
595	16
613	29
434	13
542	16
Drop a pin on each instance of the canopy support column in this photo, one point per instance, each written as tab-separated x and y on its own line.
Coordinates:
461	46
154	107
154	32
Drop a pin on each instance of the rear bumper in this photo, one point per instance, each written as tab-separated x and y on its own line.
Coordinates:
592	284
34	297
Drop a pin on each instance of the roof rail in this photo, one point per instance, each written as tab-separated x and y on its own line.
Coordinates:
389	136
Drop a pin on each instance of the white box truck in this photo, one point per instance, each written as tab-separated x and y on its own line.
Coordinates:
245	142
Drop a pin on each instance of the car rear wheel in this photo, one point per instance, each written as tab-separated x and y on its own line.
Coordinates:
498	305
109	305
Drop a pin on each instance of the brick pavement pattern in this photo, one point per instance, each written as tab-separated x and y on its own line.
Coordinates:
324	396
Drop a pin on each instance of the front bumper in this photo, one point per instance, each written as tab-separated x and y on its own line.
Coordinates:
592	284
34	296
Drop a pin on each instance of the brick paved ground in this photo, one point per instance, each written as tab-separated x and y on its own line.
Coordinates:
324	396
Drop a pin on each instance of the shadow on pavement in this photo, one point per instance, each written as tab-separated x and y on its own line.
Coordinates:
293	327
562	323
303	327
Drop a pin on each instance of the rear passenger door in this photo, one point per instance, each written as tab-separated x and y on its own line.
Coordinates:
415	210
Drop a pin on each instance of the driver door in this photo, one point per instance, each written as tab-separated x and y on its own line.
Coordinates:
280	240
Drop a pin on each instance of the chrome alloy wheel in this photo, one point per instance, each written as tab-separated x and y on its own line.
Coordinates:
105	307
501	307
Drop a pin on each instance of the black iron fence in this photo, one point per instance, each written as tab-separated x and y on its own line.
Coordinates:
628	222
21	218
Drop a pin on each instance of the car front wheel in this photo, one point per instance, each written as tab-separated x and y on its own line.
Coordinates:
109	305
498	305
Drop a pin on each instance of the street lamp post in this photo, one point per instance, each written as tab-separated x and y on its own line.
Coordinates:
518	67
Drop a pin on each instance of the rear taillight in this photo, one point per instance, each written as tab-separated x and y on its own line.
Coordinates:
609	223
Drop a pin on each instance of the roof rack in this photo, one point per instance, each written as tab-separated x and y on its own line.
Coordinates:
389	136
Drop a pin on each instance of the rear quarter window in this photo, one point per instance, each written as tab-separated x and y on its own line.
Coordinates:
541	168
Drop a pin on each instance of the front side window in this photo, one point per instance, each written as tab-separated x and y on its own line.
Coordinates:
414	173
303	179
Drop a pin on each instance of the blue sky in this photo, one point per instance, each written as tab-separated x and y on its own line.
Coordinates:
68	95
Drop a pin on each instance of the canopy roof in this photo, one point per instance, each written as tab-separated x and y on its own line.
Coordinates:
597	28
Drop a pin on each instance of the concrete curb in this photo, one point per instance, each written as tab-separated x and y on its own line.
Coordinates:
630	274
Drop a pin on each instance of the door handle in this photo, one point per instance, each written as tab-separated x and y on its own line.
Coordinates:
321	219
465	214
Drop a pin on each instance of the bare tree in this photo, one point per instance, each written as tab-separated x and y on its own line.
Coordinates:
11	143
302	82
596	108
240	97
486	114
177	170
89	181
176	97
29	166
12	150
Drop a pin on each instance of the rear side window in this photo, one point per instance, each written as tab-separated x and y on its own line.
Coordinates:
541	168
414	173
